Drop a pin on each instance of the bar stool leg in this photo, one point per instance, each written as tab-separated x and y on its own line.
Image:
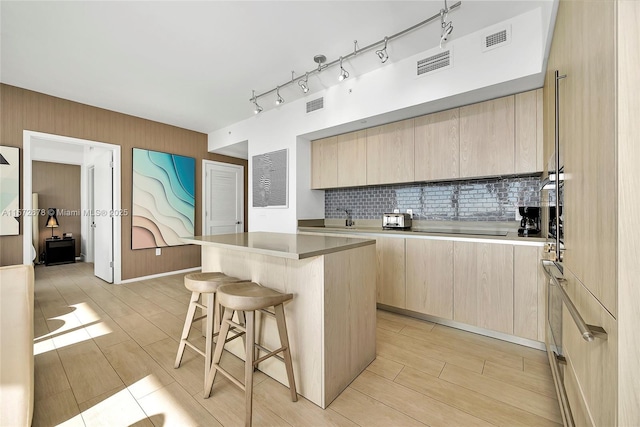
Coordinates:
191	312
284	342
248	365
210	322
217	354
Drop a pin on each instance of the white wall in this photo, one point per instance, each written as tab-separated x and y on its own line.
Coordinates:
389	93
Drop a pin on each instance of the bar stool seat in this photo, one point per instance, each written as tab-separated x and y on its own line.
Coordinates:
248	297
205	285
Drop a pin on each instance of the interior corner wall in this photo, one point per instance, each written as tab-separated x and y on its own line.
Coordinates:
22	109
391	92
58	186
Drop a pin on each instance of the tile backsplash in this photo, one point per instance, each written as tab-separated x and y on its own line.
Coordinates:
494	199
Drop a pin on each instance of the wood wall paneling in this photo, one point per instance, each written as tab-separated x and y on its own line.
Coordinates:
28	110
58	186
11	105
437	146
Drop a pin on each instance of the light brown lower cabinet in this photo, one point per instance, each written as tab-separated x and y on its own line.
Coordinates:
494	286
390	271
590	376
483	285
528	293
430	277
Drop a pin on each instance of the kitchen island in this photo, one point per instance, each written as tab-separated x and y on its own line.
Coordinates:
331	320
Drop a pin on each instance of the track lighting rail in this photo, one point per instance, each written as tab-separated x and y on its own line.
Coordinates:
355	51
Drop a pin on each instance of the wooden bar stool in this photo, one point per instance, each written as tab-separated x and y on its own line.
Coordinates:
249	297
205	284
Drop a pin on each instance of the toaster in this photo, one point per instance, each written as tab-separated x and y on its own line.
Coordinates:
396	221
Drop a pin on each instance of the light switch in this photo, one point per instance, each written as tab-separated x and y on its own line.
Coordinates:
158	251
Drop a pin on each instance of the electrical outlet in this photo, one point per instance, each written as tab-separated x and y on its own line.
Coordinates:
410	212
396	211
158	251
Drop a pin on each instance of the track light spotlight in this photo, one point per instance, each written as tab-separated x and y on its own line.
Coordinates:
304	84
279	99
343	73
258	108
447	27
382	53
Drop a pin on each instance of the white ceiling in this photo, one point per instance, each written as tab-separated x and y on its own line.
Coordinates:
194	64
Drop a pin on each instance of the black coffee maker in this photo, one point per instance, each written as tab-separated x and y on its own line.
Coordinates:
530	222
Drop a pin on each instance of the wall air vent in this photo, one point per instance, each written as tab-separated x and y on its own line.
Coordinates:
435	62
314	105
496	39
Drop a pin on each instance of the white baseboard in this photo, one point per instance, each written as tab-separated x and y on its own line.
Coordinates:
154	276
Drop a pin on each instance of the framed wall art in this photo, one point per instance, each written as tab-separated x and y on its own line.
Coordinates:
270	184
9	191
163	199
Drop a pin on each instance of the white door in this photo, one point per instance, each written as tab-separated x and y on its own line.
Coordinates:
103	216
90	216
223	198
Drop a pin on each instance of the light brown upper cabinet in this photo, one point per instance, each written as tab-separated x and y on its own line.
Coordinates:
352	157
437	146
324	163
390	152
487	138
528	144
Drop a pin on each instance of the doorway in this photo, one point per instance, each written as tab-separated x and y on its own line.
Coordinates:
223	201
59	149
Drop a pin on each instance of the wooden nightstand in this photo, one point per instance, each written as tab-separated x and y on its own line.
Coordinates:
60	251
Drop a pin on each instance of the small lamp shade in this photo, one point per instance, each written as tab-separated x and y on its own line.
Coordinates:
52	221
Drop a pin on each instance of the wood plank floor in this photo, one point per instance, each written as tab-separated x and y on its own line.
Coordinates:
105	353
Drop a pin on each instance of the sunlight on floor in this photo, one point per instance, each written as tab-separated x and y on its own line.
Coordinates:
118	409
81	324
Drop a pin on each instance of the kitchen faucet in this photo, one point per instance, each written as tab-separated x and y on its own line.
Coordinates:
348	221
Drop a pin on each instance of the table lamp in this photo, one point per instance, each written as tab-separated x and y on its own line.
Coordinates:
52	221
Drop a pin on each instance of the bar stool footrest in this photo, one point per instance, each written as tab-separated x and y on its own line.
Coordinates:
268	355
229	376
194	348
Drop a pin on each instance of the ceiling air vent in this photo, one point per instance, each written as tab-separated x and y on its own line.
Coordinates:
436	62
496	39
314	105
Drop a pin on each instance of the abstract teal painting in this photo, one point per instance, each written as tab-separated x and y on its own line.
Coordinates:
9	190
164	193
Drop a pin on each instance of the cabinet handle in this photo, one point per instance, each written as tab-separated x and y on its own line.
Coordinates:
589	332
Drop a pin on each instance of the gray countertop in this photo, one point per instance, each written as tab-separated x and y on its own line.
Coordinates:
442	233
292	246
